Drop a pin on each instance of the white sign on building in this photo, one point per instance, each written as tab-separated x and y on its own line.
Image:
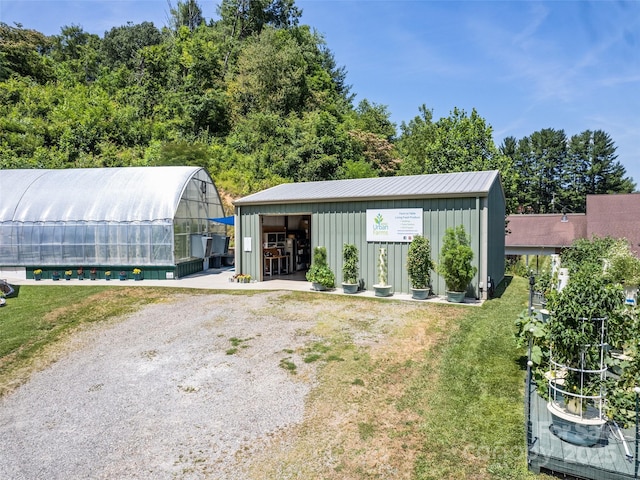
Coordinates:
393	224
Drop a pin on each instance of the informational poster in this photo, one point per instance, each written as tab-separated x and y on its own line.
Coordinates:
246	244
393	225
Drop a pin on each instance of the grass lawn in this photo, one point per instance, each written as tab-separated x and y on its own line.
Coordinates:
437	397
474	428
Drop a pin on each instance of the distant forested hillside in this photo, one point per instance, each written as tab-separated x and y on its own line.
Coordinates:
254	97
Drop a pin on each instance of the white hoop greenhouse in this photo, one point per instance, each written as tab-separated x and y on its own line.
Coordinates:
104	218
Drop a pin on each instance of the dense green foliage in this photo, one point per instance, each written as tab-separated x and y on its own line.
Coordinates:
419	262
593	295
319	272
257	99
349	263
556	174
455	259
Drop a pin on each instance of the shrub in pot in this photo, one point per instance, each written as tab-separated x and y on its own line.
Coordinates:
455	262
349	268
319	274
419	266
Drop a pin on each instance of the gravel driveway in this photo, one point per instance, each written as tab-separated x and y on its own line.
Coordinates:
158	394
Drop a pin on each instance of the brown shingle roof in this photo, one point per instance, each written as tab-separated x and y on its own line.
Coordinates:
616	216
547	230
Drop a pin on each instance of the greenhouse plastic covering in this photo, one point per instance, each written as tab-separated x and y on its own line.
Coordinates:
103	216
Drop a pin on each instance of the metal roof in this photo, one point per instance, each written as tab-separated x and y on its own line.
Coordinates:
120	194
462	184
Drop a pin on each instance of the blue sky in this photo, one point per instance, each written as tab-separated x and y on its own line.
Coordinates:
524	66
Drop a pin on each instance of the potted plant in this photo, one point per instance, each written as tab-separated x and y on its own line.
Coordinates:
122	275
137	274
67	274
107	275
37	274
455	263
319	274
382	288
578	326
80	272
55	275
419	266
349	268
93	274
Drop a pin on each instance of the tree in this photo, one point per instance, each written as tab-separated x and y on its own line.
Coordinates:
457	143
243	18
374	118
416	142
378	152
271	75
121	45
186	14
23	52
240	19
77	53
539	160
555	174
602	173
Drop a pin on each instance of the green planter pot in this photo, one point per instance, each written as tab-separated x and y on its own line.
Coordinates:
350	287
420	293
318	287
455	297
383	290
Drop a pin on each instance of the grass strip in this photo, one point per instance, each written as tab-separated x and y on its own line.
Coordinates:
473	420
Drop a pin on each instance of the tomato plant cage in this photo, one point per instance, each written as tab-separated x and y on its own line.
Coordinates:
576	386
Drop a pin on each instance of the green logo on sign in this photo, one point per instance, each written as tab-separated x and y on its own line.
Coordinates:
379	225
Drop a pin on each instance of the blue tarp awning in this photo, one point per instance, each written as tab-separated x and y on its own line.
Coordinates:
225	220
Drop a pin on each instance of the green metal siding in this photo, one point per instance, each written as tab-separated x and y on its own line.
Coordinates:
496	215
334	223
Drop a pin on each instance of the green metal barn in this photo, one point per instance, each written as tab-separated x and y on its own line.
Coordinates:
289	220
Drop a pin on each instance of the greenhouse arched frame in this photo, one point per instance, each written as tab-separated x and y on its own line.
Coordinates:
106	219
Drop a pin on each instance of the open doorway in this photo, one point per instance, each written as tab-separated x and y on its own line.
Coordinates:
286	246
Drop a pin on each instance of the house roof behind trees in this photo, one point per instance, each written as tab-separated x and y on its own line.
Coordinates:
614	215
546	232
